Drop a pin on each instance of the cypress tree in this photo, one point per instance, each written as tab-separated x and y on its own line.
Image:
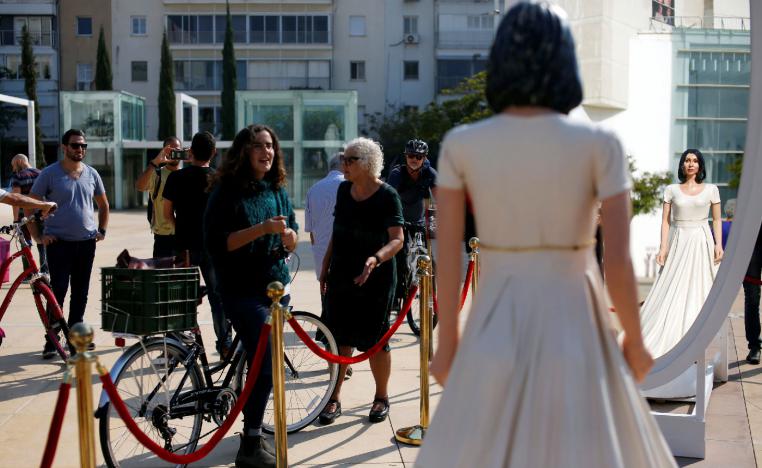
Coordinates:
103	76
29	72
166	92
229	81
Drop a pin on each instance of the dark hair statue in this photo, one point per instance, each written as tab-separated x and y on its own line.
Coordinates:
532	61
236	168
203	146
701	174
70	133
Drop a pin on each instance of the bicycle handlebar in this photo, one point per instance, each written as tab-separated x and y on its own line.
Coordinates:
11	228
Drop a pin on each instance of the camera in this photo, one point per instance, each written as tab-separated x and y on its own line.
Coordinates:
178	155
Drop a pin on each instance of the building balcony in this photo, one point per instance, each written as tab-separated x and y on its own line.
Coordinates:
480	39
39	39
660	23
16	87
287	83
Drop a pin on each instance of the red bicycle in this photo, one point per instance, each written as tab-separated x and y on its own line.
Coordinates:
47	307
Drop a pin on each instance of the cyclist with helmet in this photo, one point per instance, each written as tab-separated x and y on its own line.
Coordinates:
414	182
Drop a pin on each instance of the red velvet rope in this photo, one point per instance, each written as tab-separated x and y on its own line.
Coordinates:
752	280
162	453
55	425
336	359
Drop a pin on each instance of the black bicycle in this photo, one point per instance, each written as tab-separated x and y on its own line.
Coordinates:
178	398
416	249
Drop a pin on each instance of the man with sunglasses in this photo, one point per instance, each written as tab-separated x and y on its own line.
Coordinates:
71	234
414	181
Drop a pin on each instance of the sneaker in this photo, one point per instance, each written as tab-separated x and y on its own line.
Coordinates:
49	351
253	454
348	373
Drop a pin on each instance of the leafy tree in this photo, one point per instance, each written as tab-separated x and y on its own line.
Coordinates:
467	103
229	81
647	189
166	92
29	72
735	168
103	76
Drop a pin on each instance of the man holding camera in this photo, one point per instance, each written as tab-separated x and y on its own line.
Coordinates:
71	234
153	180
185	198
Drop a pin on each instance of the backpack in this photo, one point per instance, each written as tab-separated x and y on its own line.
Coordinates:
149	206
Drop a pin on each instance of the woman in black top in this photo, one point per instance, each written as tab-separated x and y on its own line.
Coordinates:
357	275
248	221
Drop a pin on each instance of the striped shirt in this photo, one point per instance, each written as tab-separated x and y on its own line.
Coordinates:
24	179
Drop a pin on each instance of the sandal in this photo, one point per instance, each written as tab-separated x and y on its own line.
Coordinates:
327	416
377	416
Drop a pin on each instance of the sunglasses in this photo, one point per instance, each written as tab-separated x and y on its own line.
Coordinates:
417	157
349	160
78	145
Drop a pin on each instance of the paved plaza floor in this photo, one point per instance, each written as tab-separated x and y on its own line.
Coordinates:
28	385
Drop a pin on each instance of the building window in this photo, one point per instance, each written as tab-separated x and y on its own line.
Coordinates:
264	29
40	30
450	72
410	70
190	29
84	76
140	71
205	75
480	21
238	22
10	67
357	70
84	26
664	11
138	25
356	25
410	25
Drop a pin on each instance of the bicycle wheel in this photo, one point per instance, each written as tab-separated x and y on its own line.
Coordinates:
52	317
150	382
310	380
414	316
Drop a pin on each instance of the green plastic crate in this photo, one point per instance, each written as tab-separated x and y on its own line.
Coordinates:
142	302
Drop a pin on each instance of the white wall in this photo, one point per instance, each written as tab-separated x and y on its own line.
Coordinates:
645	126
126	48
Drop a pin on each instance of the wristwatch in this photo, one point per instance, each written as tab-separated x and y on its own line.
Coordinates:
378	259
102	231
151	163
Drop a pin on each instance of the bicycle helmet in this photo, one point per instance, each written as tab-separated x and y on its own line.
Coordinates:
416	146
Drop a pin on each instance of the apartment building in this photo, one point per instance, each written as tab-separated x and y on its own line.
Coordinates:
80	23
41	19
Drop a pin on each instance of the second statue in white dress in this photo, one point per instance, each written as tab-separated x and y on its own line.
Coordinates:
689	257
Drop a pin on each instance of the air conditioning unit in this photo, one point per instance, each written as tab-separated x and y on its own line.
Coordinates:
412	39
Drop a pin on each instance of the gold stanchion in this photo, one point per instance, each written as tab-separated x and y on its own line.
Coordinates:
81	335
414	435
474	244
278	314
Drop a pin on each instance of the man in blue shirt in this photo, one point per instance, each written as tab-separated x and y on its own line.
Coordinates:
71	234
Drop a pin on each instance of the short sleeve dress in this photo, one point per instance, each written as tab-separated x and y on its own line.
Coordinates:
538	379
358	316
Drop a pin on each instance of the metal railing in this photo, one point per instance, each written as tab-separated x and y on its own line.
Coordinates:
668	23
11	37
285	83
465	39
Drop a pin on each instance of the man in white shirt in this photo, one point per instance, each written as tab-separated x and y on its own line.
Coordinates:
318	214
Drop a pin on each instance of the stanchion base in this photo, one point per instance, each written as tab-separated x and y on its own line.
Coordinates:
411	435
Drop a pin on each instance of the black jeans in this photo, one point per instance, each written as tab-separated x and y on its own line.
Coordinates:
220	321
751	297
71	261
163	246
248	315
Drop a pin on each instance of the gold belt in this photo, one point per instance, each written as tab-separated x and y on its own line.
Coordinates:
537	248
